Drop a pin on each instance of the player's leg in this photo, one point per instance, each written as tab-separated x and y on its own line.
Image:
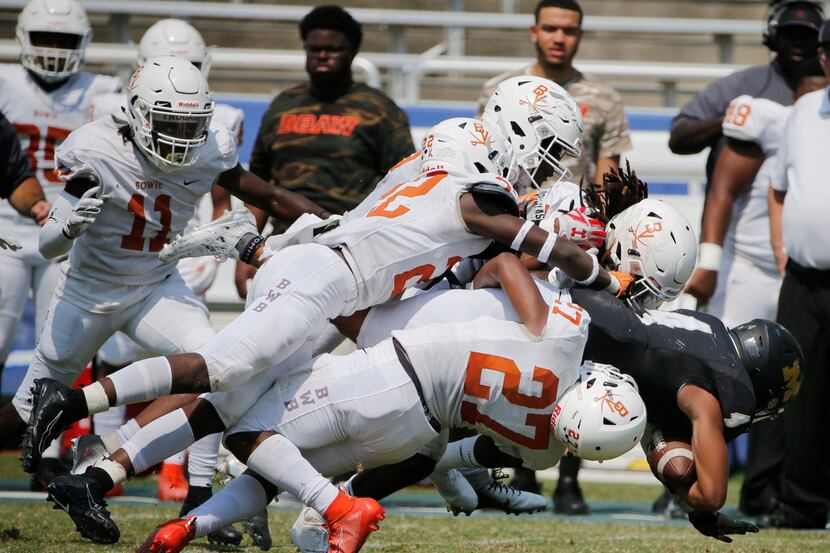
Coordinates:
14	289
73	331
301	288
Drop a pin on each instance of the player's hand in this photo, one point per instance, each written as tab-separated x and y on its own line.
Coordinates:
40	212
718	525
579	227
244	273
702	285
9	244
84	213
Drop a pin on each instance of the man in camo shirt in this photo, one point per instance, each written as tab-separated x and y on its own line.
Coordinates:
556	36
329	139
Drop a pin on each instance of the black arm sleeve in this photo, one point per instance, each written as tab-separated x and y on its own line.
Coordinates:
17	167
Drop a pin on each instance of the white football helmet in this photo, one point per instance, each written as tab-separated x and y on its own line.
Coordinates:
175	37
469	146
601	416
169	109
653	241
53	36
540	119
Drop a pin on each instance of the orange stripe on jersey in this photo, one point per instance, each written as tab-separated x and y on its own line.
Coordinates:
406	160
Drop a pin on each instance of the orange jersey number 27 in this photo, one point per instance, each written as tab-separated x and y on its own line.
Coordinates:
475	388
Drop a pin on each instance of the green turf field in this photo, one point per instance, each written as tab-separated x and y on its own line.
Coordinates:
621	522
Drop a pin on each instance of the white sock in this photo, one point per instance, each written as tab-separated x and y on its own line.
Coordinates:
177	458
158	440
459	455
202	458
143	380
281	463
108	421
115	470
114	440
243	497
96	398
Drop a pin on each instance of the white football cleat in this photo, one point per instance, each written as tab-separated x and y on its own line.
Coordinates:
456	491
310	533
88	450
504	497
217	238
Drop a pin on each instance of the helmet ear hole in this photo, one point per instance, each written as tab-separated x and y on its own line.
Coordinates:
480	167
517	130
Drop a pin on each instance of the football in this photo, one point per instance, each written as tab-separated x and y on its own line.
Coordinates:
671	460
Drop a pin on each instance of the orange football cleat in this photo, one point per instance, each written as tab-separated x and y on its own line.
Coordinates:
349	530
170	537
172	483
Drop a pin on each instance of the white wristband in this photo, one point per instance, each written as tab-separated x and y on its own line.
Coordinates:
520	236
547	248
709	256
614	286
594	273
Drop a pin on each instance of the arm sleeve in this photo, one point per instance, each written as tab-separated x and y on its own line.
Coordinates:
17	167
616	138
53	242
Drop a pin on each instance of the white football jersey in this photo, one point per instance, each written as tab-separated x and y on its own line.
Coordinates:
411	234
145	206
561	197
493	376
760	121
43	120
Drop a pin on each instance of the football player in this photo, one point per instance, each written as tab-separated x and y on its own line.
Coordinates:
174	37
384	403
127	188
45	97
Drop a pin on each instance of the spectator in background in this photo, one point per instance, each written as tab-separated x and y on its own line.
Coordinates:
736	259
330	139
556	35
800	231
790	33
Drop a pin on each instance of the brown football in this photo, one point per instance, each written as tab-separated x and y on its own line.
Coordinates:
671	460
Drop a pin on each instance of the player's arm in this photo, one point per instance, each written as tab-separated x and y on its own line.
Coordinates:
490	218
708	493
690	136
506	271
29	201
221	200
775	201
73	211
737	165
275	201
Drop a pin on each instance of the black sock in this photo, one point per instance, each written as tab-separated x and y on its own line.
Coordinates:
77	404
569	467
196	495
100	477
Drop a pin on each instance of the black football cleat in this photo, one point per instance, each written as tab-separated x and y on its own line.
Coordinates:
49	417
567	498
83	499
257	528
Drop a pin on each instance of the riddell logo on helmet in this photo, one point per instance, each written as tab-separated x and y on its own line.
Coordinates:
553	417
183	104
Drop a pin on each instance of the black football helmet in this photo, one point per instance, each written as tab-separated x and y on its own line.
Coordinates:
773	359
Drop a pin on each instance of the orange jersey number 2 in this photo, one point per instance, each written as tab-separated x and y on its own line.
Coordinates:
408	189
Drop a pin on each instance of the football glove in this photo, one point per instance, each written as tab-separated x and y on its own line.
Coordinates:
718	525
83	213
579	227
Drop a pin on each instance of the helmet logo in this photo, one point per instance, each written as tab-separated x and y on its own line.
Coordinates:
649	230
615	405
792	380
540	99
134	78
480	135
